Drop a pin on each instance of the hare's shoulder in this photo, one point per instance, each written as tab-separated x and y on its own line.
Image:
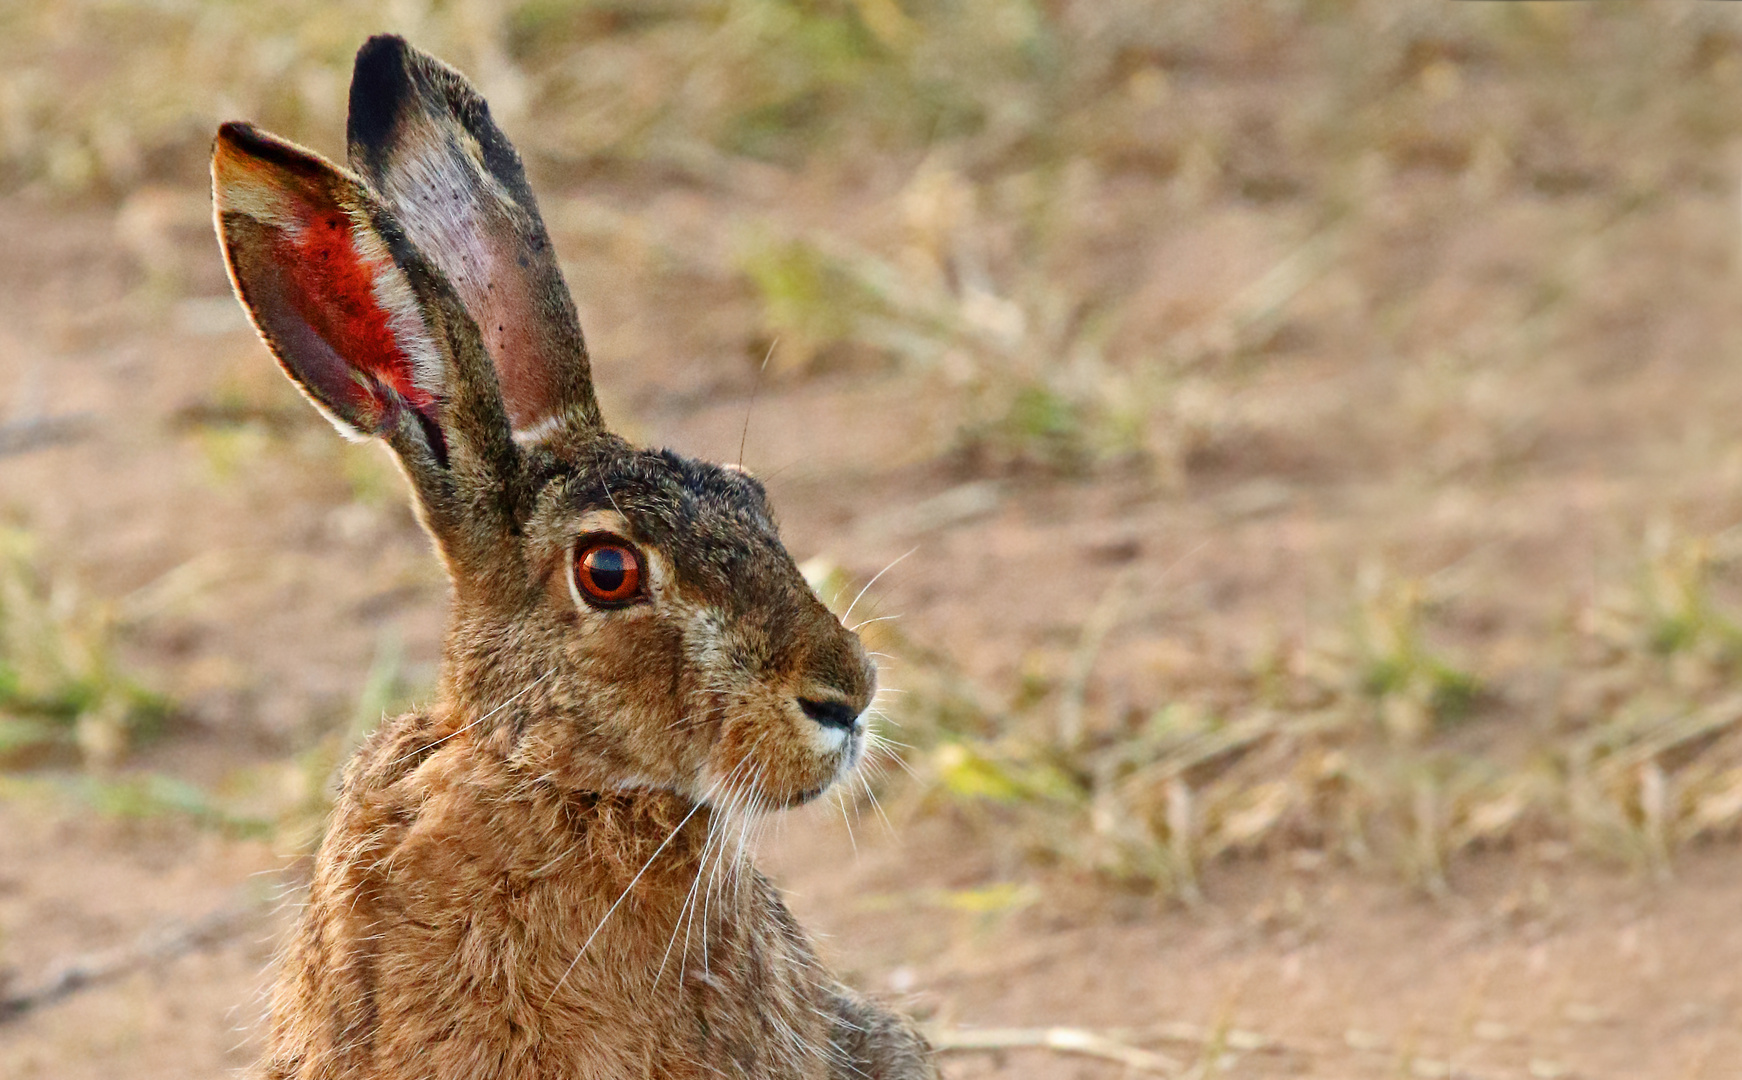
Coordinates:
393	751
389	782
376	803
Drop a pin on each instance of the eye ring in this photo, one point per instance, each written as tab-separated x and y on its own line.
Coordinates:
607	571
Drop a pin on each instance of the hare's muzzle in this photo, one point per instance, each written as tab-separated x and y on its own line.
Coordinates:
831	713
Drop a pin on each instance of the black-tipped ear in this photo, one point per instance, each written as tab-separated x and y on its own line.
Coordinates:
423	140
379	88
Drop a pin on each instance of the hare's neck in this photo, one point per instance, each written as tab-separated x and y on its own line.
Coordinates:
656	838
658	875
602	842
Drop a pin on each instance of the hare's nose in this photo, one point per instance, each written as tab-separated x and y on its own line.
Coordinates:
830	714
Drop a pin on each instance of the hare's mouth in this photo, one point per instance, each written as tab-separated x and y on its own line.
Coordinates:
833	740
804	797
784	749
808	795
846	759
799	779
836	727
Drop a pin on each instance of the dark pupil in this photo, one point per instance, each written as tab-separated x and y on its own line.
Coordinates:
607	567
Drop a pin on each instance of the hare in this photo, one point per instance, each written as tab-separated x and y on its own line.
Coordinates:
544	874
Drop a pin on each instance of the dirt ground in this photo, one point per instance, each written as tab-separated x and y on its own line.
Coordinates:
1545	972
1501	384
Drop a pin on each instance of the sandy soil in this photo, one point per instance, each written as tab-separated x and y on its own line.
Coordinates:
1525	972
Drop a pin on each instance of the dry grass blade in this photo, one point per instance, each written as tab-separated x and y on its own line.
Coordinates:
1100	623
1257	309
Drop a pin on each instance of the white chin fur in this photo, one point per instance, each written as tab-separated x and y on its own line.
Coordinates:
828	740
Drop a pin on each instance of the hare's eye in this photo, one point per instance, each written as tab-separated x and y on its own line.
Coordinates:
607	572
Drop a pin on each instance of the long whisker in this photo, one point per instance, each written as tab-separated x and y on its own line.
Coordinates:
610	496
865	782
885	717
731	867
882	744
754	807
848	613
710	714
728	814
759	823
701	864
694	908
626	889
841	801
431	746
683	911
867	622
750	408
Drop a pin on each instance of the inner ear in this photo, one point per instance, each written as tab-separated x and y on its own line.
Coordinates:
305	248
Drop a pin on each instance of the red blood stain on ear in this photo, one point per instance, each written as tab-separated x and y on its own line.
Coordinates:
334	287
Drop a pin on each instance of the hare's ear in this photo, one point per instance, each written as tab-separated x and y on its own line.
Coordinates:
321	284
423	140
363	325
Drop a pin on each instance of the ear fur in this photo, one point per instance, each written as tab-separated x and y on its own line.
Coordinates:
423	140
321	285
370	332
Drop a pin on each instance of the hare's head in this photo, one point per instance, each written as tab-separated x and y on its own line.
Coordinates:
622	617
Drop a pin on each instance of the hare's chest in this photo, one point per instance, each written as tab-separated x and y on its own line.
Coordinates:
561	974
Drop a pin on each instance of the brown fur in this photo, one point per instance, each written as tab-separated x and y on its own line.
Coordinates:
544	875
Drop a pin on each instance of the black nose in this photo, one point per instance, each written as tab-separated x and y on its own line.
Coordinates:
836	714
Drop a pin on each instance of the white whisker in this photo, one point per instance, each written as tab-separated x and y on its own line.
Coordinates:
856	627
841	802
626	889
875	805
845	615
689	898
431	746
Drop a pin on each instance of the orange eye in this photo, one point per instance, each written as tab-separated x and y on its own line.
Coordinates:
607	572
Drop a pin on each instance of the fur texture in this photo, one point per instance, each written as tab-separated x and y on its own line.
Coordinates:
545	874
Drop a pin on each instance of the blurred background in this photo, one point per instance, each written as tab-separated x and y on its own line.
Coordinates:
1303	439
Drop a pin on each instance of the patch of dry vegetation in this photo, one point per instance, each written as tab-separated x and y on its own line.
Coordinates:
1188	249
1367	746
62	691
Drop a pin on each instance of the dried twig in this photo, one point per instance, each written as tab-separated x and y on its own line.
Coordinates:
1064	1040
1115	1044
72	974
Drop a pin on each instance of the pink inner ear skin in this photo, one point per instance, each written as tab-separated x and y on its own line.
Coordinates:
334	291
